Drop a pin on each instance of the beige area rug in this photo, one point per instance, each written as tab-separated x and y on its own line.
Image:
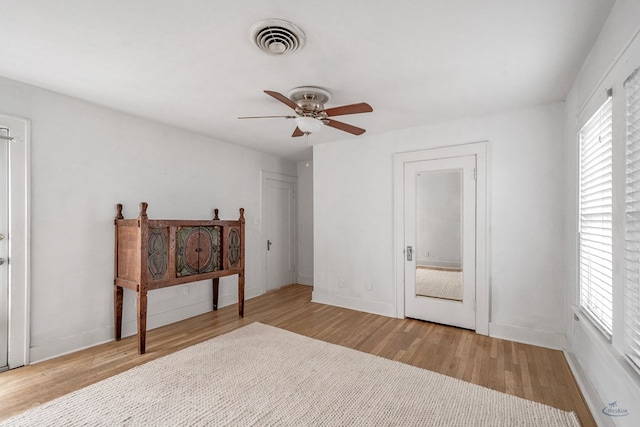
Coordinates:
264	376
439	283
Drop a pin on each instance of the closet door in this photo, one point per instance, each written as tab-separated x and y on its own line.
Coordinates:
440	241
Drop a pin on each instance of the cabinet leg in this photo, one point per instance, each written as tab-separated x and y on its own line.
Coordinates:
117	311
241	294
216	286
142	321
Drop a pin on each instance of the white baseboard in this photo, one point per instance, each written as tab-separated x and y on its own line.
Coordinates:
434	263
304	280
589	392
604	375
554	340
383	309
61	347
75	343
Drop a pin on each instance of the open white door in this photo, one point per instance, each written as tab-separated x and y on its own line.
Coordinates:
4	249
440	240
14	242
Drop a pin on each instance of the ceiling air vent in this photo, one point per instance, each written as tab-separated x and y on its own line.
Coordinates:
276	37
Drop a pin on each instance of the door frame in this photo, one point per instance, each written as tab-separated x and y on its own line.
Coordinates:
266	176
478	149
19	230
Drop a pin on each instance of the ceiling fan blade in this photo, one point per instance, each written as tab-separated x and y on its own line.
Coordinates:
361	107
267	117
297	132
345	127
280	97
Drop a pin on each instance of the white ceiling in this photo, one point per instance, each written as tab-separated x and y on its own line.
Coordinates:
190	63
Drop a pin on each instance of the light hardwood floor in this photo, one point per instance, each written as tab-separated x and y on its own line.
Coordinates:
527	371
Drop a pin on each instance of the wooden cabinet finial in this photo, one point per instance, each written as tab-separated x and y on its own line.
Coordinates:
241	213
119	209
143	208
215	215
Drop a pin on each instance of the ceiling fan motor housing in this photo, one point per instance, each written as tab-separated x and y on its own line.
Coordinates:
309	107
310	100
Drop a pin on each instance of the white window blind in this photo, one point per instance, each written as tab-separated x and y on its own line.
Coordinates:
596	218
632	227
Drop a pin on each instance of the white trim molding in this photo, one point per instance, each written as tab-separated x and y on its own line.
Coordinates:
304	280
379	308
604	376
553	340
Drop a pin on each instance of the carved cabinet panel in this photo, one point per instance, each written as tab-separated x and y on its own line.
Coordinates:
158	251
233	247
197	250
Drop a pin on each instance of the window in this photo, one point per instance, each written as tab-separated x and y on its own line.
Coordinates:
632	223
595	219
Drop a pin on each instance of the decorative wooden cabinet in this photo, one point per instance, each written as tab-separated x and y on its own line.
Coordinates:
153	254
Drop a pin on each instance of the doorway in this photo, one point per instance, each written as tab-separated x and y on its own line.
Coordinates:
440	229
14	250
278	230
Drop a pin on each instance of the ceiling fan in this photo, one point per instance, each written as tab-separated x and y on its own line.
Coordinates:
308	104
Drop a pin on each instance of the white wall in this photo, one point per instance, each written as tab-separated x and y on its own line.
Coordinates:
305	223
605	376
84	160
353	218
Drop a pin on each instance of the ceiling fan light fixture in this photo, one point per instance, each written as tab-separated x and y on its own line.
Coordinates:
309	124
